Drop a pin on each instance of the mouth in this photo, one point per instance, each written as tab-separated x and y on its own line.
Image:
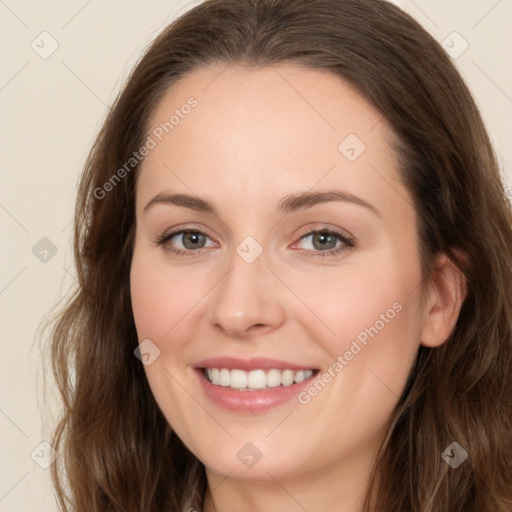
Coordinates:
252	386
258	379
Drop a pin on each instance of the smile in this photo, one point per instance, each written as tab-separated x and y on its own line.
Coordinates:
255	380
252	386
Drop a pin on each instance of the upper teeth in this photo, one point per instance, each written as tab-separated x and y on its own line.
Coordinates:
256	379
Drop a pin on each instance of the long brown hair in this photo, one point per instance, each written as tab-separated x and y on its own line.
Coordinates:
116	450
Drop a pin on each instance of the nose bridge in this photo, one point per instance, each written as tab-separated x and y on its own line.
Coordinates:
245	296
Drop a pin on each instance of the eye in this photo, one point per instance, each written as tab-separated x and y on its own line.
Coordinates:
324	242
191	240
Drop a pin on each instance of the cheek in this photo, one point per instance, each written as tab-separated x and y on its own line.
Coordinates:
160	298
370	359
160	302
154	305
371	328
356	302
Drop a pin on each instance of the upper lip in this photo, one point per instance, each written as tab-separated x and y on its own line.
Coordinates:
255	363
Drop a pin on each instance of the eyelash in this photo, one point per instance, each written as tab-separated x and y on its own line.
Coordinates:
348	242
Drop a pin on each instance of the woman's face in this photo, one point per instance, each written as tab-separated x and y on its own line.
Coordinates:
250	294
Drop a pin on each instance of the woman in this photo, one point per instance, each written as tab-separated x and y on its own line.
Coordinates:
340	337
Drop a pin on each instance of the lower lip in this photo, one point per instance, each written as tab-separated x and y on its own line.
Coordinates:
250	401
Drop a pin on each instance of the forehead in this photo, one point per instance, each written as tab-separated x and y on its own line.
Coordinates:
264	132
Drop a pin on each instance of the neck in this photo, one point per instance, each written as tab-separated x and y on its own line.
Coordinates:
342	488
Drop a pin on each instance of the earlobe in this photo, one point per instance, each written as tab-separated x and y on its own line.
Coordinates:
447	291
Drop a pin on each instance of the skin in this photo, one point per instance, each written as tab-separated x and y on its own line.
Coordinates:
256	135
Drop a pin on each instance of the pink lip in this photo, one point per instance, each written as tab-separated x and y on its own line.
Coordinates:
250	401
256	363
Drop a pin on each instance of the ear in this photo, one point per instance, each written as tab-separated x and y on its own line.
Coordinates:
447	291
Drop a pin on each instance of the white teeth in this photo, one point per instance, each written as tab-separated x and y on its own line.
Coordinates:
273	378
238	379
256	379
287	378
225	377
299	376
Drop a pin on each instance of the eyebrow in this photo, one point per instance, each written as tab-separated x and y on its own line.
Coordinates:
289	203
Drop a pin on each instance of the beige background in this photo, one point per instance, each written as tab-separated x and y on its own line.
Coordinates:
52	107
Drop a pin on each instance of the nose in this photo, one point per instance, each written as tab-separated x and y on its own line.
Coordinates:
248	299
